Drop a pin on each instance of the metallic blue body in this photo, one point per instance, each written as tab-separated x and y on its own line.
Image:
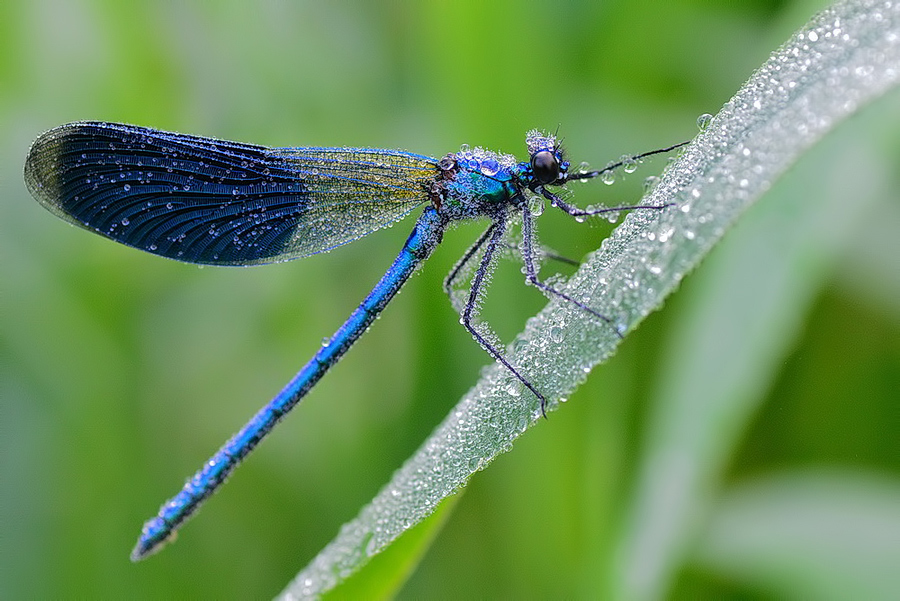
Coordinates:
210	201
423	240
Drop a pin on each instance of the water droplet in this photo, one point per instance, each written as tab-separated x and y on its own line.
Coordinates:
522	423
126	187
629	165
557	334
370	544
703	121
125	221
608	177
490	167
464	148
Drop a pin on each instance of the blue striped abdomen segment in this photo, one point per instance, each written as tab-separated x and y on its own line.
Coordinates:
208	201
419	246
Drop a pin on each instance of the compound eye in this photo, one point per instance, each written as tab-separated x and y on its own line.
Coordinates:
545	167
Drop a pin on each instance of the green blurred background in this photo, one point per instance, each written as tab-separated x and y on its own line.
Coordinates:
121	372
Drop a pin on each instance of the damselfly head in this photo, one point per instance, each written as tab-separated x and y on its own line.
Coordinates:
546	161
545	167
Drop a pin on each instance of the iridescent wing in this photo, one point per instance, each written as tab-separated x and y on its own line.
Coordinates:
209	201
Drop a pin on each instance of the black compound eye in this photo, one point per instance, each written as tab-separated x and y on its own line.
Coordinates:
545	167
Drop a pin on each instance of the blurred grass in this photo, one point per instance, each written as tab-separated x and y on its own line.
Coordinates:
121	372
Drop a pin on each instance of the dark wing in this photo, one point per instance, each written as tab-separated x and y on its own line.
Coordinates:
209	201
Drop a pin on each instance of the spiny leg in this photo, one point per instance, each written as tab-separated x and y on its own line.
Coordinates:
464	261
585	175
531	271
528	252
549	254
546	253
494	235
574	211
473	250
